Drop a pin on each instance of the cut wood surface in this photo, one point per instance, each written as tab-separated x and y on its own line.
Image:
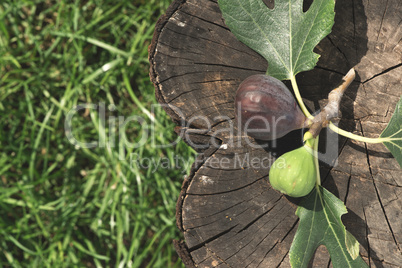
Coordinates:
228	212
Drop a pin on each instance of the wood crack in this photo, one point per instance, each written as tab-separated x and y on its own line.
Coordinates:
179	48
262	240
382	20
176	57
209	40
176	76
283	259
213	81
378	194
230	66
182	94
266	254
228	208
354	26
209	107
340	51
207	21
329	70
383	72
367	234
248	243
206	241
230	191
291	229
347	189
257	218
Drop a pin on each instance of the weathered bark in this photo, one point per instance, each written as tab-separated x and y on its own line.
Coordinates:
229	214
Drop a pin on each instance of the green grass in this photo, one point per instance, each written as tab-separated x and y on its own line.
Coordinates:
62	205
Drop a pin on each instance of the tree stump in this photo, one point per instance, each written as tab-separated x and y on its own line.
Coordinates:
227	211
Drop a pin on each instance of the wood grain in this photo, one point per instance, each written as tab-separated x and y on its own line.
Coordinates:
227	211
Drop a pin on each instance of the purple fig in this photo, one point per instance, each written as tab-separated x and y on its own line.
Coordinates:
266	109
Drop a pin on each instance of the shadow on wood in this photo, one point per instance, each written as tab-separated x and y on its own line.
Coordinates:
227	211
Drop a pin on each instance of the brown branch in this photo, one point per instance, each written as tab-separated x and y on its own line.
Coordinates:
331	110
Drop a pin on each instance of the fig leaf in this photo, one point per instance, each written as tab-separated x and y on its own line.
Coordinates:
394	132
285	35
320	224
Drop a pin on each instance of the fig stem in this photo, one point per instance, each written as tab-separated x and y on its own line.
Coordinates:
316	163
299	98
311	144
358	137
330	111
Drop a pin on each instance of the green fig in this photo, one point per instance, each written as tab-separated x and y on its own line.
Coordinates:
294	173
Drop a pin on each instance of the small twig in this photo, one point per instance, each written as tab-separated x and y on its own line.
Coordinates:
335	96
331	110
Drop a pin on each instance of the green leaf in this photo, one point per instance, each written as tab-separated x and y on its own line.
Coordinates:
352	245
320	224
285	36
394	132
